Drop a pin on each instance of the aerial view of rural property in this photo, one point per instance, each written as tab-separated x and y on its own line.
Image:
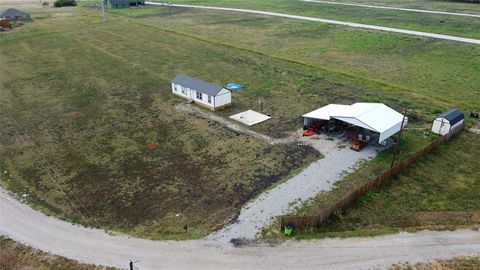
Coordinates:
240	134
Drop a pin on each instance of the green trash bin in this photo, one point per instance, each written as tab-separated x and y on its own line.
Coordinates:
288	229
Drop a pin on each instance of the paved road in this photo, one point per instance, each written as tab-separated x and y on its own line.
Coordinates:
21	223
349	24
394	8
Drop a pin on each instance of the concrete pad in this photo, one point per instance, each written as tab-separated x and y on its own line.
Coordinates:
250	117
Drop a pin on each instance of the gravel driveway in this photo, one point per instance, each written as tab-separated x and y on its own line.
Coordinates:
282	199
285	197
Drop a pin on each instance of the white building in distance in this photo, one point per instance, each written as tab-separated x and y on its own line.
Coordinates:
205	94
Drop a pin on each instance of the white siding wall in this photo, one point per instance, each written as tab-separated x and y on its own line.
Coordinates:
223	98
178	90
441	128
204	99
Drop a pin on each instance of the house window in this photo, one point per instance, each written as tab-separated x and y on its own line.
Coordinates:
184	90
199	95
209	99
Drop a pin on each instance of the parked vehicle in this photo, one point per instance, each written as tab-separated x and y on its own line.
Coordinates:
308	132
358	145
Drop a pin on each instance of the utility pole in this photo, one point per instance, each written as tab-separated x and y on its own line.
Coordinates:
399	137
131	263
104	19
260	100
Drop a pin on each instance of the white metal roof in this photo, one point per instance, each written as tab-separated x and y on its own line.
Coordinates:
324	113
373	116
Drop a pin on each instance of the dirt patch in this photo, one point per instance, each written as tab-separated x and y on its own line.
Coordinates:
243	242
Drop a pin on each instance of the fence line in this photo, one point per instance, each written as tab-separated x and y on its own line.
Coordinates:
314	221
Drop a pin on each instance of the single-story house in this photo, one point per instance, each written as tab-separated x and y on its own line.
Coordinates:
447	121
375	117
13	14
115	4
205	94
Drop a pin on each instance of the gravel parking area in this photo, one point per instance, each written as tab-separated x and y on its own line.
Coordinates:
285	197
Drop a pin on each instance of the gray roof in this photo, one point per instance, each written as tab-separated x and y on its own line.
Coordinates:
12	13
198	85
453	116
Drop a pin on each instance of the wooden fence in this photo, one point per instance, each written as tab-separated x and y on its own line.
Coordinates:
301	223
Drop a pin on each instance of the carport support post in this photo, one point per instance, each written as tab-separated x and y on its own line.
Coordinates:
399	137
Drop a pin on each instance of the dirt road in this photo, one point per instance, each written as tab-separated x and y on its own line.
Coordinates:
21	223
349	24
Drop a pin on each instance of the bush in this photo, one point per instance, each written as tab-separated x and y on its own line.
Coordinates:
65	3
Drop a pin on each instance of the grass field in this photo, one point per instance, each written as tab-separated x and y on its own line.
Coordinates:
439	191
15	256
440	5
403	71
460	263
444	24
81	101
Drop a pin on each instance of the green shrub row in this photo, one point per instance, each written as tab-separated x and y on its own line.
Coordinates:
65	3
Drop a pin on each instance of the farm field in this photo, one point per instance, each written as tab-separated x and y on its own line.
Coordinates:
449	25
439	191
428	75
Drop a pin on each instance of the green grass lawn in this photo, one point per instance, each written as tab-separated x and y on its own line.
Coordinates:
82	100
440	5
435	23
438	191
403	71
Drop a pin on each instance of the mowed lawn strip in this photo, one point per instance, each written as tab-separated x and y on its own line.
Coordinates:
433	23
81	102
439	191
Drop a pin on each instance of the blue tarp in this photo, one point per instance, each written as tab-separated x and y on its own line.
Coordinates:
234	86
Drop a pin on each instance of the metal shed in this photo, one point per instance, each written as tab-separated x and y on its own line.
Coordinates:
376	117
447	121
